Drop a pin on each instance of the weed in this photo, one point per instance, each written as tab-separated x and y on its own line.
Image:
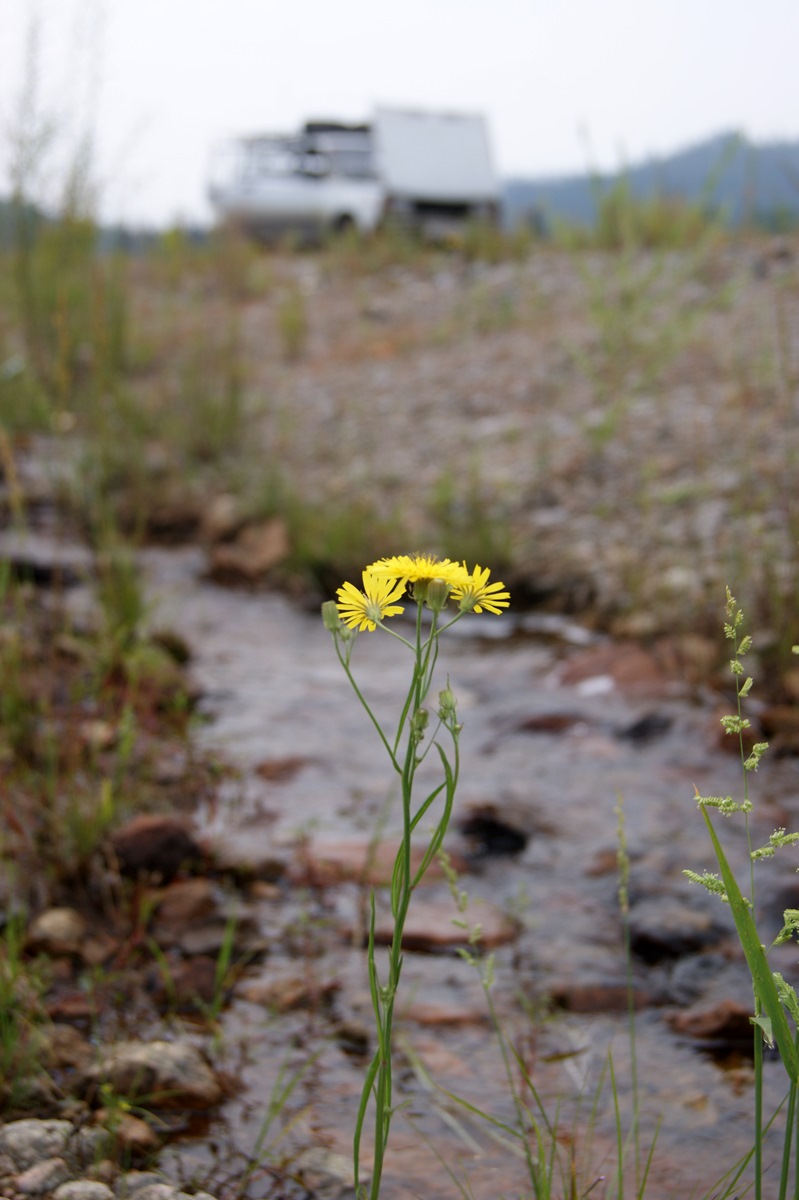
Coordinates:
292	321
21	1014
776	1009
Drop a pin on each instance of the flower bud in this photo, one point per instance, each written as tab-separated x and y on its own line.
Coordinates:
437	595
447	704
419	723
330	616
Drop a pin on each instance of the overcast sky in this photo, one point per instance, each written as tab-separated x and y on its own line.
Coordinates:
564	84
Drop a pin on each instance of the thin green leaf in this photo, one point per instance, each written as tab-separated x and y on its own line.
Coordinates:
756	960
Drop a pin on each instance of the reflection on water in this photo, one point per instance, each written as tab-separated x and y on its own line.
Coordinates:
276	693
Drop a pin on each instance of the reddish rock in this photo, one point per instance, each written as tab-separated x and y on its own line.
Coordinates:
623	666
185	901
253	553
445	1015
322	862
728	1021
57	931
551	722
155	845
286	995
780	724
279	770
437	925
579	996
134	1136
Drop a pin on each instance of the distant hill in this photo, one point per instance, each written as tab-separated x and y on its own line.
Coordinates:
742	181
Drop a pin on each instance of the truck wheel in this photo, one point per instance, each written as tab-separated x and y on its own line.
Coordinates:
343	225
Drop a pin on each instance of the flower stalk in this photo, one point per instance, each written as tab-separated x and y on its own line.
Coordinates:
431	584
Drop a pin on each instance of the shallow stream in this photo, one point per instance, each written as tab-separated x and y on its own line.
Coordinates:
561	732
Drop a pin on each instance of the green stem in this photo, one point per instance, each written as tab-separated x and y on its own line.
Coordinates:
378	1084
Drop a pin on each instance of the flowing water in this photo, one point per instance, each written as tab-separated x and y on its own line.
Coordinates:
553	748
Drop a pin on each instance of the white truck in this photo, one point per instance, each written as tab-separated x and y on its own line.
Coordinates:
428	171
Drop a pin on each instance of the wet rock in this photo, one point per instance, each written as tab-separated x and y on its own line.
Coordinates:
255	551
726	1023
42	1177
582	996
445	1014
165	1074
45	561
57	931
188	984
663	929
289	994
780	724
646	728
326	1175
435	926
30	1140
353	1038
133	1136
185	901
688	656
491	836
237	930
155	846
322	862
238	854
623	666
552	722
279	770
691	977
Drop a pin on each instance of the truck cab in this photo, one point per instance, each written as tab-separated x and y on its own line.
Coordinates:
319	181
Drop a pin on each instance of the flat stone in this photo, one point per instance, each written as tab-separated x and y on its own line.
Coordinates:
324	862
185	901
167	1074
287	994
42	1177
83	1189
625	666
253	553
57	931
155	1191
30	1140
581	996
728	1022
664	929
434	926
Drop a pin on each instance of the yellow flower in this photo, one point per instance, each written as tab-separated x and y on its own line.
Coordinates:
420	568
477	593
362	610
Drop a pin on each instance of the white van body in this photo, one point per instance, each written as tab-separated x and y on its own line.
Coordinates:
426	170
436	168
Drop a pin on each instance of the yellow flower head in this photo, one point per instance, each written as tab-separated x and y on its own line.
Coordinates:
476	593
362	610
419	568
